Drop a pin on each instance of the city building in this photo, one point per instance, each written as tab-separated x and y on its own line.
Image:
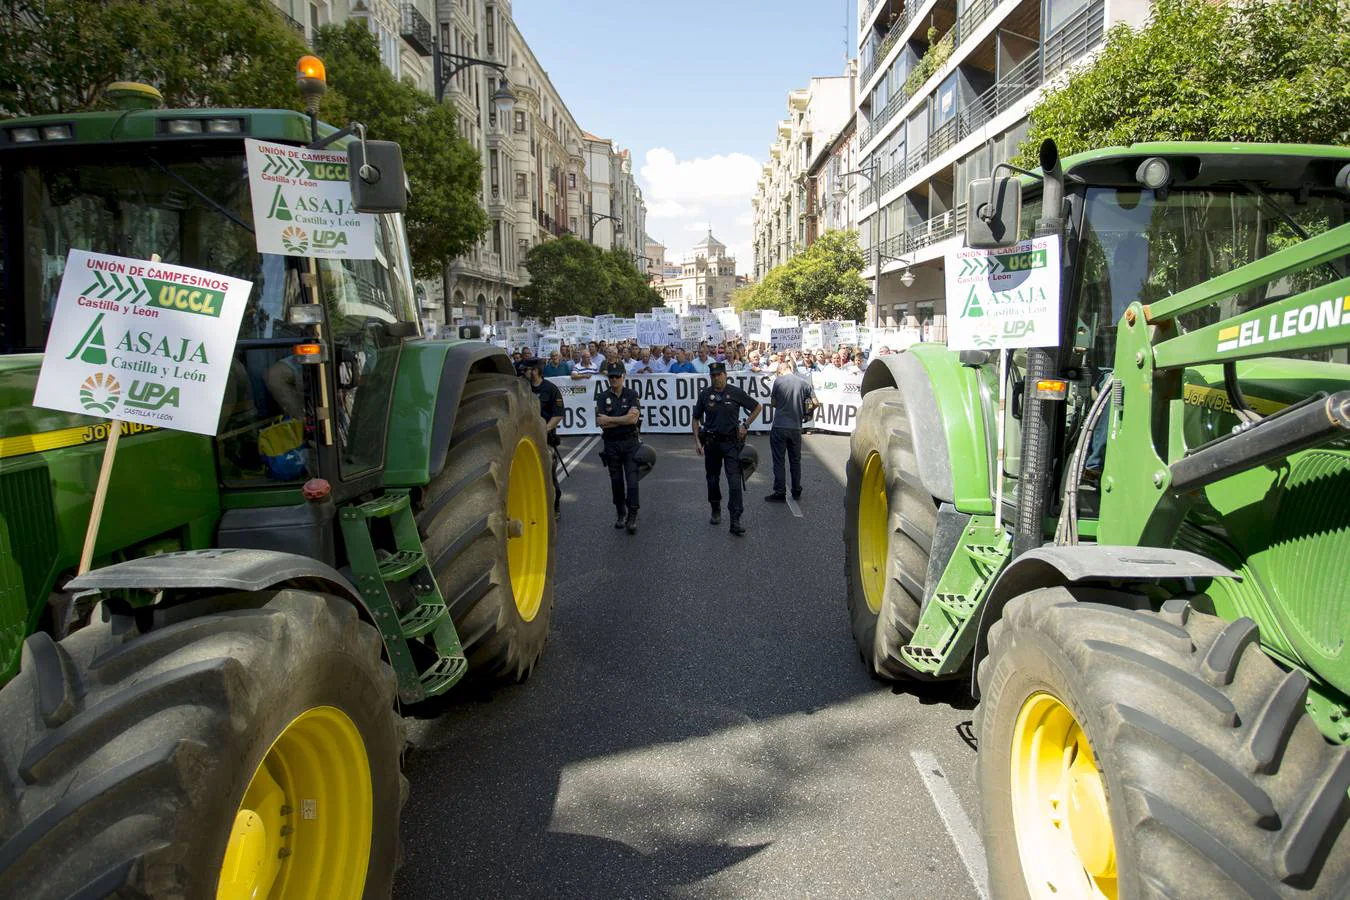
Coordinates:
921	140
817	114
655	256
706	277
617	217
830	205
402	29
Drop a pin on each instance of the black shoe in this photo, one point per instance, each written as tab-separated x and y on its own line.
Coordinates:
736	527
620	519
631	524
796	495
716	518
776	498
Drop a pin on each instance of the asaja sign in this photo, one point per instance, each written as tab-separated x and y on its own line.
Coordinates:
142	342
1001	299
302	203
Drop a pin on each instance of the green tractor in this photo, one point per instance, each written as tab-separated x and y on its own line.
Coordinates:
214	708
1149	587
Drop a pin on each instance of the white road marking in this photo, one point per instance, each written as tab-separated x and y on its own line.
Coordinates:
963	834
792	505
575	456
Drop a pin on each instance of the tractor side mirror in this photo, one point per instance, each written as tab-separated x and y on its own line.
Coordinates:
375	169
995	217
470	332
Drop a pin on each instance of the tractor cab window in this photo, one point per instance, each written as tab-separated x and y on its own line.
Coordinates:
370	307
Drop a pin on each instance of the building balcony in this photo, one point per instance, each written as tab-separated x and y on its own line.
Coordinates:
415	29
945	226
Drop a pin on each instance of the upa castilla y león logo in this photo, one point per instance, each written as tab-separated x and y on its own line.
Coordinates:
100	393
294	239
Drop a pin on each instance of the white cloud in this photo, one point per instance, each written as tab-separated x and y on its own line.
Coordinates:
686	197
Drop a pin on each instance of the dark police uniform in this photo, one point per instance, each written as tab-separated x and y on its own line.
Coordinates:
550	405
719	415
621	444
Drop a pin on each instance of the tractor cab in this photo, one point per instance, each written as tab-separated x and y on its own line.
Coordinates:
313	373
1144	223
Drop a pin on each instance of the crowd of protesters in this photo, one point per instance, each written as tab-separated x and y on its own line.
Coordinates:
755	356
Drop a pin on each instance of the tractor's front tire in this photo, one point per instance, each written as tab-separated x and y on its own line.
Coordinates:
487	522
1126	753
248	744
888	532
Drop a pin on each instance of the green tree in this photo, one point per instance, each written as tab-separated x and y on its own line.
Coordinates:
823	282
61	55
628	291
445	172
566	277
1200	71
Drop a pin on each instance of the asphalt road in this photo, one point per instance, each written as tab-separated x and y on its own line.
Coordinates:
700	724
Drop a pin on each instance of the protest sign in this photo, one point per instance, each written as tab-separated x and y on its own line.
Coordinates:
652	333
1004	298
864	337
847	334
811	337
840	395
302	203
785	338
691	328
143	342
623	330
549	342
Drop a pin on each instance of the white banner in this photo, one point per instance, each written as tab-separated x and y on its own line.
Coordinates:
668	401
302	203
1004	298
143	342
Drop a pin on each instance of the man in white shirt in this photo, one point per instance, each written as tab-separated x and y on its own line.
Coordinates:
631	364
701	363
586	368
658	363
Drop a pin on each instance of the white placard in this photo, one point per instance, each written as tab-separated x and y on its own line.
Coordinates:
785	338
652	333
847	334
1004	298
623	330
811	337
864	337
143	342
549	343
302	203
691	331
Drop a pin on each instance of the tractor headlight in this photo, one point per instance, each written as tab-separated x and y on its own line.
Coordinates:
23	135
1154	173
183	126
57	133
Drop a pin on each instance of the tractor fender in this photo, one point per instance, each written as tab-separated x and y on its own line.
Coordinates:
942	403
1047	567
221	569
430	383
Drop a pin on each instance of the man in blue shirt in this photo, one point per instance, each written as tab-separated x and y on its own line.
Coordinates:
682	365
555	367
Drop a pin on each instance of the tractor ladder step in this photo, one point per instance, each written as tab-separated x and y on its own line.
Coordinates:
441	675
422	619
402	564
382	507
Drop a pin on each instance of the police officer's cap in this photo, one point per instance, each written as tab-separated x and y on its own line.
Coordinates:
615	369
717	368
645	457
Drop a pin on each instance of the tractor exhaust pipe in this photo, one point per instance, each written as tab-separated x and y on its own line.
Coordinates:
1039	422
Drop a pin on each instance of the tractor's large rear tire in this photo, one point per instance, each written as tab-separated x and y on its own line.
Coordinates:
487	522
888	532
1132	754
247	741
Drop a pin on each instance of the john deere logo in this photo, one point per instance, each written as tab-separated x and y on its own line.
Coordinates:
91	348
100	393
294	239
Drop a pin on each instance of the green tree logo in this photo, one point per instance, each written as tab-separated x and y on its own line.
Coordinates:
100	393
279	209
91	347
972	309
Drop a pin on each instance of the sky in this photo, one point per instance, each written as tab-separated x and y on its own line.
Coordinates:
694	89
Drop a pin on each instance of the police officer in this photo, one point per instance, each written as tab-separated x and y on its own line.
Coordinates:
551	408
718	437
617	411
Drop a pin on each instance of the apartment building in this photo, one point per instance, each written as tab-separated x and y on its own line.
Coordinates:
817	114
830	204
614	193
402	29
922	137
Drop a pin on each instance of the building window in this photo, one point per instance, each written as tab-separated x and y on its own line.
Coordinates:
522	186
572	180
520	121
495	173
572	224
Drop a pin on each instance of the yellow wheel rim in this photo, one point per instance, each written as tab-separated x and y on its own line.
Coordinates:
1060	813
303	829
527	542
873	532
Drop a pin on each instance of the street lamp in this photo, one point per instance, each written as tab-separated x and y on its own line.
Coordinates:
596	218
448	65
